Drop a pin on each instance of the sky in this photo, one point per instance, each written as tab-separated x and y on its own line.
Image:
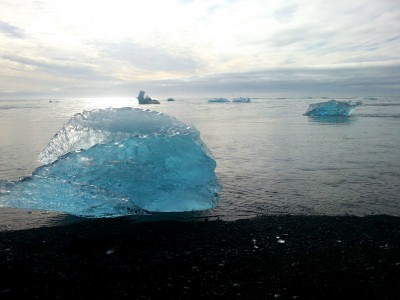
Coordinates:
99	48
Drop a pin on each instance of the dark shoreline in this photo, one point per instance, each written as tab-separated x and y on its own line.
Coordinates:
270	257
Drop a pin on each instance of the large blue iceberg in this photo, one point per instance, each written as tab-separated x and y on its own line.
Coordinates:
332	108
116	162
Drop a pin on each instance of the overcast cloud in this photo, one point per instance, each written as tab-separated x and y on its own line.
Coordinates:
96	48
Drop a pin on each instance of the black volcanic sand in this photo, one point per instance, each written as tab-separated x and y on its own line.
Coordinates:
271	257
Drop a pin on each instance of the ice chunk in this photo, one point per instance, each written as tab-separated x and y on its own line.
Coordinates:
218	100
332	108
145	99
223	100
242	100
117	162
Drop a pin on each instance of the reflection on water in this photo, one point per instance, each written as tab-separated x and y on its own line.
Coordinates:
20	219
331	119
17	219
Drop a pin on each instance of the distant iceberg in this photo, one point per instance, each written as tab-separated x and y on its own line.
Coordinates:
115	162
332	108
218	100
224	100
241	100
145	99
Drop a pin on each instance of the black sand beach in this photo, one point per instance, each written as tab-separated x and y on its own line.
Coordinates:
272	257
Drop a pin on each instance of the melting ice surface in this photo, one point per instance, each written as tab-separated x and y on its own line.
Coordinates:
117	162
332	108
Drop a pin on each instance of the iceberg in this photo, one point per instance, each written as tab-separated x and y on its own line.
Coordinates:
224	100
332	108
145	99
115	162
241	100
218	100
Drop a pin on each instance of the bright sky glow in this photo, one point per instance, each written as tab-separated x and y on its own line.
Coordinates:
114	48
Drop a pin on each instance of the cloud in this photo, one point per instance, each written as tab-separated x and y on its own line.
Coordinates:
11	31
48	67
344	81
296	82
198	45
149	58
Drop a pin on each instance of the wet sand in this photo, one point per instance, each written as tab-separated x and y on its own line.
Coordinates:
271	257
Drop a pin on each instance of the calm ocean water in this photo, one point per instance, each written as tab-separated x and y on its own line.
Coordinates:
271	159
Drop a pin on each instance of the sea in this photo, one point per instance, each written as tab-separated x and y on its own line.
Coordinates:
271	158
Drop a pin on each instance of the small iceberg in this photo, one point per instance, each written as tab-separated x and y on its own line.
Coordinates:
116	162
218	100
170	99
234	100
332	108
241	100
145	99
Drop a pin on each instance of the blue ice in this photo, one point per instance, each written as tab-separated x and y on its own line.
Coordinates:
218	100
224	100
241	100
116	162
332	108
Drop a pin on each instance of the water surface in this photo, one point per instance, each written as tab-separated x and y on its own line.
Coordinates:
271	159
